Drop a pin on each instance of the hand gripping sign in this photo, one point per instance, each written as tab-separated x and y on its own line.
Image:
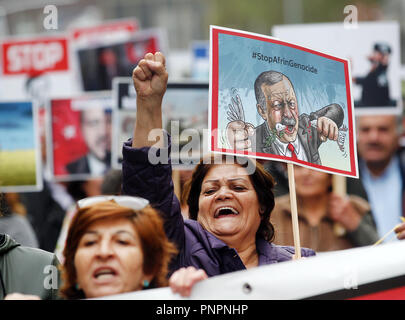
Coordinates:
275	100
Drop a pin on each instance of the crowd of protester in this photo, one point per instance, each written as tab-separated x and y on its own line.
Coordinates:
129	231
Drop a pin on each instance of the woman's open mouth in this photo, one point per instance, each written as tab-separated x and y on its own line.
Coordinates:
225	211
105	274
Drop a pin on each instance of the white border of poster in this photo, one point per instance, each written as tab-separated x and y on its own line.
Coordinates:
355	44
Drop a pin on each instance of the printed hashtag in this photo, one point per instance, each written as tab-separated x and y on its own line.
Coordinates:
254	55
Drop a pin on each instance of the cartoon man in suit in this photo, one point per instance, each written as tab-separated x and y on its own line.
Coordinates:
284	131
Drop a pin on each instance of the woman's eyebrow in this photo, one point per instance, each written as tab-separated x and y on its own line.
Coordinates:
217	180
91	232
236	179
211	181
125	232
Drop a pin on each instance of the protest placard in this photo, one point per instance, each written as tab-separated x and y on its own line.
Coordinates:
99	63
373	49
275	100
79	131
104	32
36	68
20	155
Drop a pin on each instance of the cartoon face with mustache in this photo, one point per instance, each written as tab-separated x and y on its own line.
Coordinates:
280	108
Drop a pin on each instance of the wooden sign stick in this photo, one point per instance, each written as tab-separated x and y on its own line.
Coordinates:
339	187
294	211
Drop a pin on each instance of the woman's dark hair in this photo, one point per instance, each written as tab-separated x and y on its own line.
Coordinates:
75	189
112	182
261	180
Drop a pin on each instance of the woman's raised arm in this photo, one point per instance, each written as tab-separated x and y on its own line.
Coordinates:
150	81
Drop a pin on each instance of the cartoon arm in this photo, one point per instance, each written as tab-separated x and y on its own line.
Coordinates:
328	121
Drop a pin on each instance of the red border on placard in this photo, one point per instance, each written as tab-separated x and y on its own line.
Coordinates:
389	294
214	102
62	65
113	26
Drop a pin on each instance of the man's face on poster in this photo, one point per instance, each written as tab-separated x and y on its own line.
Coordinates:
95	130
282	108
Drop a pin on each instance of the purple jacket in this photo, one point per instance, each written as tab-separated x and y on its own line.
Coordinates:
197	247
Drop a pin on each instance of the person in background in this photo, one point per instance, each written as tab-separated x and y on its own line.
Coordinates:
27	273
112	182
13	220
381	168
229	206
319	210
46	211
114	245
78	190
95	124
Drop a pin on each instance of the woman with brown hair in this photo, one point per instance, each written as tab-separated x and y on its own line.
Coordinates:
115	244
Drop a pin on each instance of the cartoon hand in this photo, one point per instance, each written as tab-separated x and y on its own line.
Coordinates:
183	280
327	129
235	110
238	133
